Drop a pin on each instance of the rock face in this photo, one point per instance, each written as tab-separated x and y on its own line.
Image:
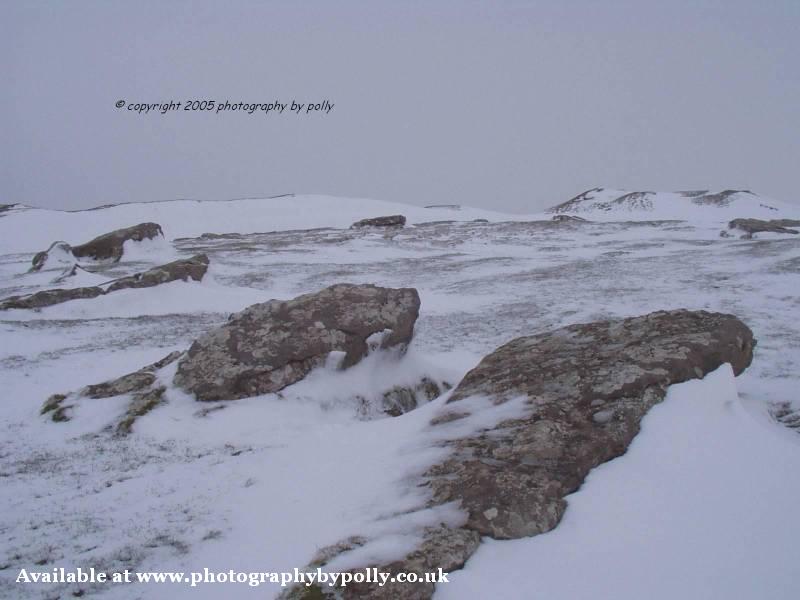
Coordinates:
751	226
271	345
110	245
584	390
389	221
191	268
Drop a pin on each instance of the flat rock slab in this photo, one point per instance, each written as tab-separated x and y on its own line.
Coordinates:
388	221
751	226
269	346
584	390
193	268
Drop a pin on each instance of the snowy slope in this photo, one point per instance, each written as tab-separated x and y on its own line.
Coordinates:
610	204
26	229
263	483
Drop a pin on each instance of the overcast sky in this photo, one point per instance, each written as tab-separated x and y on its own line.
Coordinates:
506	105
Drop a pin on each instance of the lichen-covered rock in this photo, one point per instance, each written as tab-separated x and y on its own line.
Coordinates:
388	221
441	548
588	387
751	226
271	345
109	246
185	269
583	390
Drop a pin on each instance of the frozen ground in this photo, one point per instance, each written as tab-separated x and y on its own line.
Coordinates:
261	484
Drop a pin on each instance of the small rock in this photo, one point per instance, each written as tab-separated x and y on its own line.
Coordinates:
389	221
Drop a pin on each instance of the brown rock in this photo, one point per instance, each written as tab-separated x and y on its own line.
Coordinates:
271	345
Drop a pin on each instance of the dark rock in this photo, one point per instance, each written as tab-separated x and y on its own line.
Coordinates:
723	198
390	221
141	404
110	245
442	548
191	268
402	399
50	297
69	272
140	383
40	258
271	345
568	218
584	390
751	226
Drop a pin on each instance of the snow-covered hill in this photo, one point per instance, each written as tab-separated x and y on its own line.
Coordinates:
699	205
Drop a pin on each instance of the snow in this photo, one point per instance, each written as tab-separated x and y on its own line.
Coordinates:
606	204
703	505
264	483
191	218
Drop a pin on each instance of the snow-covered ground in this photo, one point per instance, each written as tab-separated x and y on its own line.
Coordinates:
261	484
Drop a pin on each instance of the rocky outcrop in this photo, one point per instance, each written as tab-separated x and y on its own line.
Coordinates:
146	395
389	221
752	226
109	246
50	297
60	252
269	346
583	390
191	268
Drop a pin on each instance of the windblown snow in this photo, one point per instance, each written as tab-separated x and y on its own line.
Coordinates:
702	506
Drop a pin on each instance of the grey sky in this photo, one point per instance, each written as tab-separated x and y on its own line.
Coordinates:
506	105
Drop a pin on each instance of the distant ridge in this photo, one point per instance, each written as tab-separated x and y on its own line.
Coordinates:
607	203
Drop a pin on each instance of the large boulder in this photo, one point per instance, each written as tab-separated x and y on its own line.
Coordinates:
587	388
579	394
271	345
388	221
109	246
